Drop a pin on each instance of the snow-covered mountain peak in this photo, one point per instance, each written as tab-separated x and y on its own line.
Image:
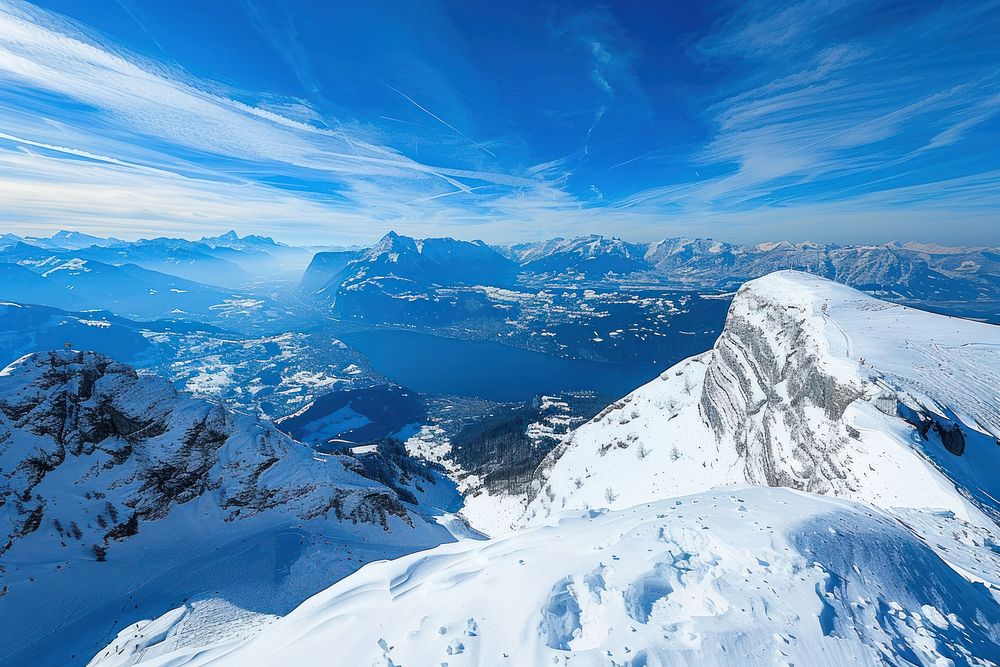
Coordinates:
253	244
82	419
70	240
101	463
588	256
811	385
931	362
390	242
403	263
682	248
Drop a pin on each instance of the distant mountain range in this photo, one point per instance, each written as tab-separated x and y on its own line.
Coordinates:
442	282
906	270
148	278
911	271
65	280
443	261
401	273
226	261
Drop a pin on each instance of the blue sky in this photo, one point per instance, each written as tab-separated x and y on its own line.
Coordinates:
336	121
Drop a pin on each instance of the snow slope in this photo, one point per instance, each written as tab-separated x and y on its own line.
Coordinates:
814	386
775	575
121	499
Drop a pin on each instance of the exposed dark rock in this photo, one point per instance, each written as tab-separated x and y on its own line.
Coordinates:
377	508
951	437
33	521
123	530
949	432
185	476
144	446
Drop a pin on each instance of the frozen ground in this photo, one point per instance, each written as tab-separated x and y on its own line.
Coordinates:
716	578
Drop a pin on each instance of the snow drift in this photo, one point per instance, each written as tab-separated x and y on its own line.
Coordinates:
767	575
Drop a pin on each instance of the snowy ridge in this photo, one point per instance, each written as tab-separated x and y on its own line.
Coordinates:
145	498
811	385
911	271
709	579
80	414
433	260
588	256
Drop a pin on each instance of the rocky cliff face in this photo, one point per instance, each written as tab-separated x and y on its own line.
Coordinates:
814	386
135	449
121	499
765	392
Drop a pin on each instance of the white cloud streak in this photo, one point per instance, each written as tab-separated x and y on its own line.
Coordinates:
845	125
168	115
96	138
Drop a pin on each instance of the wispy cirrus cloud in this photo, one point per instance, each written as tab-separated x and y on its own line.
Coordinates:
66	95
835	108
610	57
870	117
